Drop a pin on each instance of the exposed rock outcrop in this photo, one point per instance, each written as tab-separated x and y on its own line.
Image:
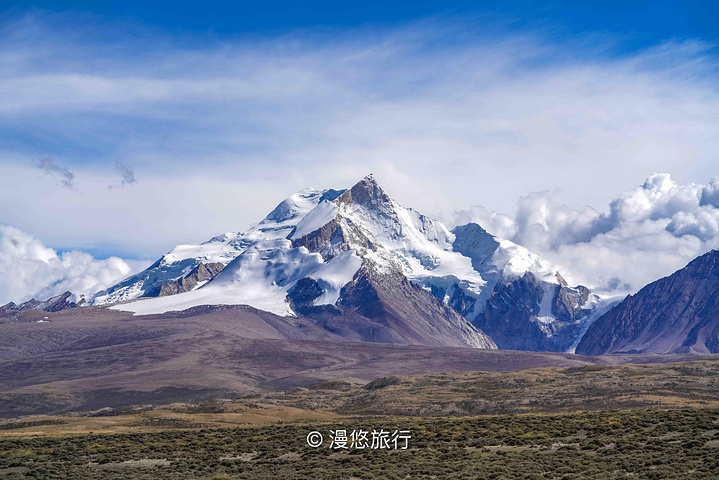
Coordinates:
204	272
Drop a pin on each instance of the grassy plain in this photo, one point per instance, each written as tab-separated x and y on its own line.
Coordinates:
656	421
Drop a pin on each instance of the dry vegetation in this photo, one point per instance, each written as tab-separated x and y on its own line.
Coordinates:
623	421
674	444
590	387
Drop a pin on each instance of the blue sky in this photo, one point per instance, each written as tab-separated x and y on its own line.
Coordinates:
129	127
644	21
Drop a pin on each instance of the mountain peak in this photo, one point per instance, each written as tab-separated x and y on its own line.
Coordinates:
707	264
366	192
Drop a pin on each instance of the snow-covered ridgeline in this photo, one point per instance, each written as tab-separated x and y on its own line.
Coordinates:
221	249
360	226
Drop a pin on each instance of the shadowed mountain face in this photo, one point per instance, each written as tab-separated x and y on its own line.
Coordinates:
520	309
410	311
678	313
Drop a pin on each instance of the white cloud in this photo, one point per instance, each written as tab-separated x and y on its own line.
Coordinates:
28	269
222	129
648	232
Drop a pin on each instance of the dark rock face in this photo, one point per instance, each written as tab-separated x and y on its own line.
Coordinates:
52	304
366	193
567	302
676	314
512	315
460	301
305	291
406	313
204	272
322	239
506	317
474	242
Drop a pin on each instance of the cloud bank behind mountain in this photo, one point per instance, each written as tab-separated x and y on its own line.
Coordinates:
646	233
28	268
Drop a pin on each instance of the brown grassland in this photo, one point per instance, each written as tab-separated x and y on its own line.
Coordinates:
651	421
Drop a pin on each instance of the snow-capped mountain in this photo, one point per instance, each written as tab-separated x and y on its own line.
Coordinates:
497	285
183	260
326	252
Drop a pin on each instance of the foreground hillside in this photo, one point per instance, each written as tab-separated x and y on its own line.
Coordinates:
547	390
653	444
590	387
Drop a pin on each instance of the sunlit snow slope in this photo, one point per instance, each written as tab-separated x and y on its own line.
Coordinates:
181	260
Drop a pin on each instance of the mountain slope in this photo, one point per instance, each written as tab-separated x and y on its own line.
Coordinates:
525	304
678	313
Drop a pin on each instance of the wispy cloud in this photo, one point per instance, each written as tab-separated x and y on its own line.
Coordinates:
226	127
61	174
126	173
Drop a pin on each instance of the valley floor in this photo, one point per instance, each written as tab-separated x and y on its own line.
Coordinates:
99	358
655	421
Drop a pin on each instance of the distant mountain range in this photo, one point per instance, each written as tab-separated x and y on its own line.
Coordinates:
359	265
53	304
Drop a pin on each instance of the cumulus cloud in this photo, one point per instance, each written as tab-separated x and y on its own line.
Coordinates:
28	268
61	174
126	173
647	232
